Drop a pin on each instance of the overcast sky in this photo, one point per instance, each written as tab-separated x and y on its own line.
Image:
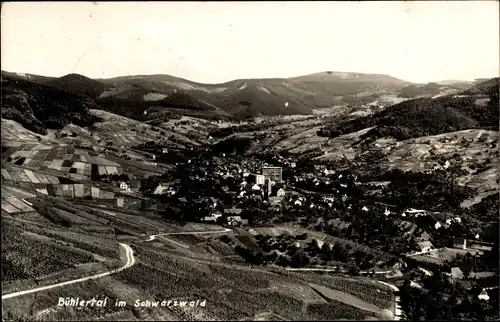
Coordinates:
216	42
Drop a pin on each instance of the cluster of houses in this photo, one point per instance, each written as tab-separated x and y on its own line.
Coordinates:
232	217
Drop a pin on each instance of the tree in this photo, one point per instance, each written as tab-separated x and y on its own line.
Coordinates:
353	269
300	259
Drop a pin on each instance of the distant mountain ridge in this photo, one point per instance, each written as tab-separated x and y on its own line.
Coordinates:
133	96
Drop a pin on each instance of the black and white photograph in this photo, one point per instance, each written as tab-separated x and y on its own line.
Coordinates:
250	160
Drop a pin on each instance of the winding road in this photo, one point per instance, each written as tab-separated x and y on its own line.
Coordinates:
398	313
129	253
130	261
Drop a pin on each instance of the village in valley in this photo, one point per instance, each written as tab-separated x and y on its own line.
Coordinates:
284	212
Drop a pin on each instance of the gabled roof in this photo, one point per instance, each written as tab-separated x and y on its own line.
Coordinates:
425	244
456	272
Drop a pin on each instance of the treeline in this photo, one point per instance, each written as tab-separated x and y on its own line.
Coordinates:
412	91
226	131
359	100
436	191
282	251
233	145
39	107
422	117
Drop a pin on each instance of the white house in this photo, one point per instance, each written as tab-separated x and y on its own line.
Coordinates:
364	208
293	164
260	179
387	212
425	246
233	220
484	295
256	187
124	186
216	214
160	189
415	212
209	219
437	225
280	192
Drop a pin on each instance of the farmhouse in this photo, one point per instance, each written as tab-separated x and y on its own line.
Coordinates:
425	246
483	295
124	186
456	273
216	214
210	218
160	189
255	187
236	221
414	212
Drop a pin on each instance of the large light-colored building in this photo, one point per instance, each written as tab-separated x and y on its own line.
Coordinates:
260	179
273	173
